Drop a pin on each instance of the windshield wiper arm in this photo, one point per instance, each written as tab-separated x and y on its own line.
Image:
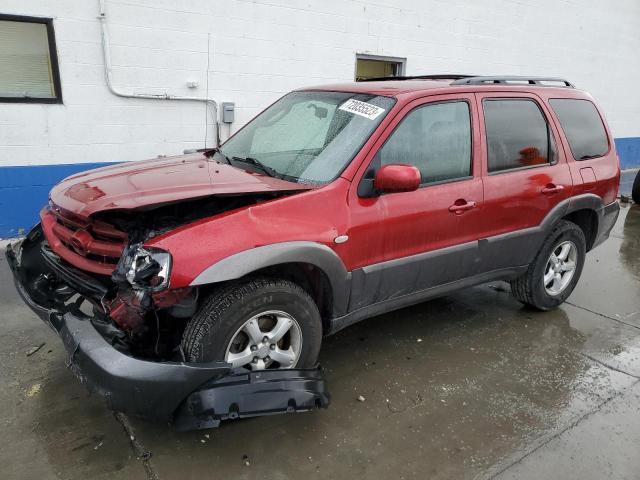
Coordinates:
258	165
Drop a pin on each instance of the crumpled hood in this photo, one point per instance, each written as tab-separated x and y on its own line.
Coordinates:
158	181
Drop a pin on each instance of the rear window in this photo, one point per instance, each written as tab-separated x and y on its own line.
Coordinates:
583	127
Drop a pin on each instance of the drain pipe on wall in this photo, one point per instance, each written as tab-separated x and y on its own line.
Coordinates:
108	74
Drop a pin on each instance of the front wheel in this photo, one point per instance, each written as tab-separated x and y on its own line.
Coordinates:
259	324
555	271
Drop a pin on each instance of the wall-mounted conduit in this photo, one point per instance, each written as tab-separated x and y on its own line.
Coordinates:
108	73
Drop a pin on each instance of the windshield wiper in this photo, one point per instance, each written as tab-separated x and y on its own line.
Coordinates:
258	165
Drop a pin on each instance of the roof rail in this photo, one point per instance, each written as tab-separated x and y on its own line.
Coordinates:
438	76
512	79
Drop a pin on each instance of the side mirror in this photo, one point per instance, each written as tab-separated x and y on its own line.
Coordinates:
397	178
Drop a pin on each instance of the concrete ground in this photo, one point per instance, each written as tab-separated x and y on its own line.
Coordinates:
472	385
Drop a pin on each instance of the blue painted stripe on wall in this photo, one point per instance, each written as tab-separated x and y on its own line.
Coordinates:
24	191
629	152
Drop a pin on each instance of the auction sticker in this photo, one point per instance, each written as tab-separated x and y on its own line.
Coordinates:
363	109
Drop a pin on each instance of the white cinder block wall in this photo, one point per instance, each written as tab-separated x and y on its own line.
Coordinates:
252	52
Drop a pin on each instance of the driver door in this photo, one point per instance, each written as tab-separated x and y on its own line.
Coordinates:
429	236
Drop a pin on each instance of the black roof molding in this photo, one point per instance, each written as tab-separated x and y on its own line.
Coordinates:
539	81
437	76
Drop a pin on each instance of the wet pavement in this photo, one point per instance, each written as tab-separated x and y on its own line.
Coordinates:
472	385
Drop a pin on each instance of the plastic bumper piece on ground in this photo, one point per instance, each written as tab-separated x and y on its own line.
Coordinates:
252	394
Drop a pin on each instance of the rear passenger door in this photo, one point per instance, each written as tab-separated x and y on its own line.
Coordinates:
525	175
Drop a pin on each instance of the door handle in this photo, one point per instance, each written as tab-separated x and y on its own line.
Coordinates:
461	206
551	188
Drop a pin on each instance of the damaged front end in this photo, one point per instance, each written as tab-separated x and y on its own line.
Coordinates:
126	281
122	331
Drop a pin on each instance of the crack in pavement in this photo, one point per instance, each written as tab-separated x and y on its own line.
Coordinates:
545	439
610	367
602	315
137	447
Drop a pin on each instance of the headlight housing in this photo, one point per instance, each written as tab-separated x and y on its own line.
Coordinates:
147	268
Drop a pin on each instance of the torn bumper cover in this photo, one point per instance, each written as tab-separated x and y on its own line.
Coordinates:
252	394
191	395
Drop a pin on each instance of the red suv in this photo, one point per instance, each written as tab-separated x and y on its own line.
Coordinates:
334	204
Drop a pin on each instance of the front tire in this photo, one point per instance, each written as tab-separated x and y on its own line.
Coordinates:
258	324
555	270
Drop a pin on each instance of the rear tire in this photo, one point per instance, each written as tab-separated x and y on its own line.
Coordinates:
544	286
635	190
241	323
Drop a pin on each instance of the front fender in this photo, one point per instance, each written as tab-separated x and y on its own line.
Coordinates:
248	261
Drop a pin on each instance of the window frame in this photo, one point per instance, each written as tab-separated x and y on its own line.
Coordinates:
376	160
545	117
400	63
53	58
561	127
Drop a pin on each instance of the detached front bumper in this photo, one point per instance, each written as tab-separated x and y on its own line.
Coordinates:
167	391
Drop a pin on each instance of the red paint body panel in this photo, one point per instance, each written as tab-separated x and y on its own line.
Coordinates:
386	227
397	178
152	182
317	215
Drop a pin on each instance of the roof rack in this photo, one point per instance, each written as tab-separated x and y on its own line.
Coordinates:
438	76
511	79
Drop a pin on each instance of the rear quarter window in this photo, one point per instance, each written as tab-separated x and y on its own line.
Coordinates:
582	126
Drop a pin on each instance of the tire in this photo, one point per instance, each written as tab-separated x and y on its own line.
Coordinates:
635	190
530	288
223	316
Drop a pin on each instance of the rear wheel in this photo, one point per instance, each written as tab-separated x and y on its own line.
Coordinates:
259	324
555	271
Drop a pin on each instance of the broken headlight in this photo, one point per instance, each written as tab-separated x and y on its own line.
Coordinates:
147	268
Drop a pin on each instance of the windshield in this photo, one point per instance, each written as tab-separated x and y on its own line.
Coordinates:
307	137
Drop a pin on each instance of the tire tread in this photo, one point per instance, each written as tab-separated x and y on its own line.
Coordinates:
214	307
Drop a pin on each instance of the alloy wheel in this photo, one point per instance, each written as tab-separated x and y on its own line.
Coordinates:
560	268
269	340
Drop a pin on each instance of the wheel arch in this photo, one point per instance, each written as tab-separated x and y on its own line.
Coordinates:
314	266
584	210
587	220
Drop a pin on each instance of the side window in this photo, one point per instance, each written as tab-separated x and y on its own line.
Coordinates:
436	138
583	127
517	134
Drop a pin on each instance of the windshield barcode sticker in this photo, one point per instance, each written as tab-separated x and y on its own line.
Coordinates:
363	109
